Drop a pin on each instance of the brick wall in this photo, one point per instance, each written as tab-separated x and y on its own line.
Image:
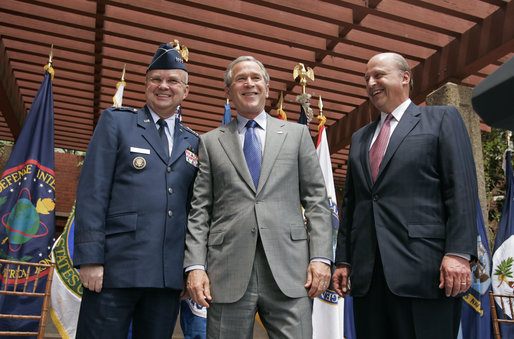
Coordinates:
67	174
66	178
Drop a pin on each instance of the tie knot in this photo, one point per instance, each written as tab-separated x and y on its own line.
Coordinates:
388	118
251	124
162	123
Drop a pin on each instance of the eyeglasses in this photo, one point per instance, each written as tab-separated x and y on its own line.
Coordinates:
170	81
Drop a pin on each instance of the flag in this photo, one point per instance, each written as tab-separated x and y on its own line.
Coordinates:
178	113
349	322
281	114
476	308
117	99
227	115
66	287
305	109
27	204
328	308
303	117
503	255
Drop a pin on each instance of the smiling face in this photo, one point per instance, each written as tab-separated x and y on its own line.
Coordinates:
386	84
165	90
248	90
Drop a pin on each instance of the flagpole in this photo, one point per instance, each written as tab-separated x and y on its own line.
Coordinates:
117	99
123	73
48	67
280	111
321	118
303	73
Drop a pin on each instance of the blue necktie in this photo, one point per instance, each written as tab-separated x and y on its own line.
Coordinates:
164	139
252	151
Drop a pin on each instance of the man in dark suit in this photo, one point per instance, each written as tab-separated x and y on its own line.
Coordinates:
408	227
247	248
132	203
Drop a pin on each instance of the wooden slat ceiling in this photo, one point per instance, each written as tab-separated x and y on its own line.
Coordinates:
461	41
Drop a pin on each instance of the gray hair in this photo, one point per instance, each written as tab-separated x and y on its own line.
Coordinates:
228	73
403	66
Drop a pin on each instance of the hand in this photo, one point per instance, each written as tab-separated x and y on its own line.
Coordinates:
184	294
198	286
455	275
340	279
318	278
92	276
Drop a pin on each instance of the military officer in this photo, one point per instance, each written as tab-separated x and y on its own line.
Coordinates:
132	204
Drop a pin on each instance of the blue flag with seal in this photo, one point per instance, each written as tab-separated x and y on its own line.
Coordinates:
476	309
27	205
503	255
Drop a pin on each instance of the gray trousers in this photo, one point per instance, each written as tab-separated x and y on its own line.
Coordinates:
282	316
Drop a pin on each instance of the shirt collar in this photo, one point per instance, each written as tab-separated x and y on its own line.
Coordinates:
170	121
260	120
398	111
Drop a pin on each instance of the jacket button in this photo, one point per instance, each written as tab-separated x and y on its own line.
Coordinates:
169	169
170	190
253	229
170	213
375	197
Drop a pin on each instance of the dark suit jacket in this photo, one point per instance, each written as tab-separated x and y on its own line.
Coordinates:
422	205
132	202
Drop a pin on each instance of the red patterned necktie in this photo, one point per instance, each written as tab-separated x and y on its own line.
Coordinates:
376	153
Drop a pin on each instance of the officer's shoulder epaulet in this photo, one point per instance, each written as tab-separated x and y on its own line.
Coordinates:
189	130
126	109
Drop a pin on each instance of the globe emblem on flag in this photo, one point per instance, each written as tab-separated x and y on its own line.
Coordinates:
23	223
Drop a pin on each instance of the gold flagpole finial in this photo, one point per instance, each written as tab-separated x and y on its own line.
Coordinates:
304	73
281	101
48	67
321	118
123	73
51	55
182	50
228	101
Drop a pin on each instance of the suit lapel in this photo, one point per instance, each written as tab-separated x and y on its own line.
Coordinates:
180	142
229	140
275	136
367	137
408	121
150	133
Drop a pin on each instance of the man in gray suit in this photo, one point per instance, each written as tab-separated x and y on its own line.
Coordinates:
247	247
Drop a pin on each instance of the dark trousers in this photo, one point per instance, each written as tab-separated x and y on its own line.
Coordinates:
383	315
153	312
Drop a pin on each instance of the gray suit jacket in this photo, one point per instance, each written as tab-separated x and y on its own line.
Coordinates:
228	212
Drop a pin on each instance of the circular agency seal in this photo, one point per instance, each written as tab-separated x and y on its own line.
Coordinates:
139	163
503	271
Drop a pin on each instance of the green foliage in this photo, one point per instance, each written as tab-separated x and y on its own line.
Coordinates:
505	267
494	146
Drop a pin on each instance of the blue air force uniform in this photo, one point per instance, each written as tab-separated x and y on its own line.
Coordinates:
133	199
131	213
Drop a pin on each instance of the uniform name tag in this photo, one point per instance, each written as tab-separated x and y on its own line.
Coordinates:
139	150
191	158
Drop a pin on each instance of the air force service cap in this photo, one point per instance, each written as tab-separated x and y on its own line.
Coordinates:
166	57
